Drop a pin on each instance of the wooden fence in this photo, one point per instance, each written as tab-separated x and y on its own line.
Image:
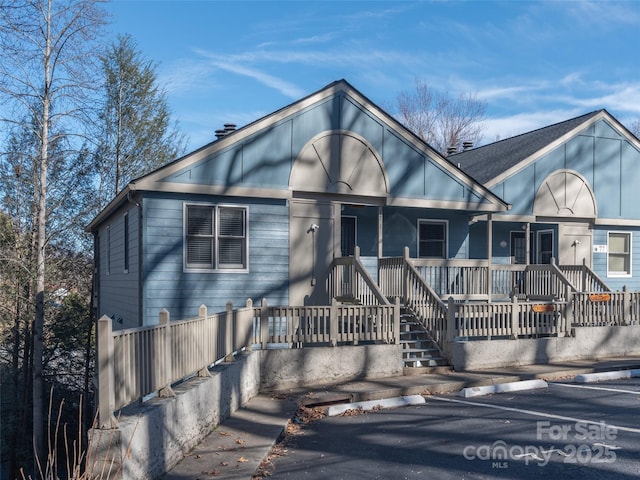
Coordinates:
138	362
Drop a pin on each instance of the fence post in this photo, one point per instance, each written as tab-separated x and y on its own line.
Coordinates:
569	314
515	316
264	324
451	320
396	320
167	361
333	323
229	344
206	343
106	392
245	321
626	306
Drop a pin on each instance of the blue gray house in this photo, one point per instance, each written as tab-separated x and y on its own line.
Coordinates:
263	210
573	188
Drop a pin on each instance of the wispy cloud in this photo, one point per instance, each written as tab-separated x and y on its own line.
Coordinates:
604	14
283	86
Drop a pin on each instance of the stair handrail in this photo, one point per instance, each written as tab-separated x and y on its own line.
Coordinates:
591	282
361	273
427	306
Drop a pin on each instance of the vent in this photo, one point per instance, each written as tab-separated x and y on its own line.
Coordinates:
223	132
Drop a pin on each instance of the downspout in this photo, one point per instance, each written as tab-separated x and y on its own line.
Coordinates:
131	200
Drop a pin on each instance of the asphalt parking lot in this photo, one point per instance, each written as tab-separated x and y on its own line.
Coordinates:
567	430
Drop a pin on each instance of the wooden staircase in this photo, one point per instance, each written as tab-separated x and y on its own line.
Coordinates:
420	353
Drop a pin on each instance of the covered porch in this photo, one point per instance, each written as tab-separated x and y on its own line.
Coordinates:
475	300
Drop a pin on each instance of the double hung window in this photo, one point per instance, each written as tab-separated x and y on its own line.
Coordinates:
215	237
432	239
619	256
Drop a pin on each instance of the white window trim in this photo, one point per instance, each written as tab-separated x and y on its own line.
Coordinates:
616	274
216	206
446	235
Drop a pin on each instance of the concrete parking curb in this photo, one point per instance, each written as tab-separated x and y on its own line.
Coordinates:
502	388
374	404
612	375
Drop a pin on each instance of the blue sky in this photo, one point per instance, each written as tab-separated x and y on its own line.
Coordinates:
534	63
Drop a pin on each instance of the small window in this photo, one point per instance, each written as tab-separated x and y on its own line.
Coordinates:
215	237
108	249
126	242
432	239
619	254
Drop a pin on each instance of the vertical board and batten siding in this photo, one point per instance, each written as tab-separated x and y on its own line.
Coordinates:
168	285
119	290
265	158
600	154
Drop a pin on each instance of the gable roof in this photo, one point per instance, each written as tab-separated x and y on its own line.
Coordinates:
488	162
153	181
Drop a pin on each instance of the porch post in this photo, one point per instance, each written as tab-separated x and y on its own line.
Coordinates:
489	256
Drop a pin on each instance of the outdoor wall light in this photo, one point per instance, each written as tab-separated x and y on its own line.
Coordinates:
312	230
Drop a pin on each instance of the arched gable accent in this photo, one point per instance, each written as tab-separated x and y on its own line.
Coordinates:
339	161
565	193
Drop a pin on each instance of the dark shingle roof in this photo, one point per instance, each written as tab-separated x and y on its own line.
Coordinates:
487	162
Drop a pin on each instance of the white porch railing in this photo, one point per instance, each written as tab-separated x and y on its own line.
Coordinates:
137	362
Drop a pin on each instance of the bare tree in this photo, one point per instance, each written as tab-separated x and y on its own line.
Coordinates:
45	77
439	119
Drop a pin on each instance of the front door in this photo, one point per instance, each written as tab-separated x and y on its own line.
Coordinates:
312	247
575	244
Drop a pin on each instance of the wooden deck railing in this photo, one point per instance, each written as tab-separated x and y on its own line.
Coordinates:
583	278
138	362
350	282
607	308
512	319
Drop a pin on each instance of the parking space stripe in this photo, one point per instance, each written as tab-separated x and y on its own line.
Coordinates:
605	389
532	412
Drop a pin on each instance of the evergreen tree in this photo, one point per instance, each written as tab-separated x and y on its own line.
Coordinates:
137	136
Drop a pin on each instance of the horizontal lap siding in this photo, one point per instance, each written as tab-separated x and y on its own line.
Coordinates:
168	286
118	290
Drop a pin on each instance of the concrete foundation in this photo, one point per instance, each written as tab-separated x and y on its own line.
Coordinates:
588	343
154	436
290	368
